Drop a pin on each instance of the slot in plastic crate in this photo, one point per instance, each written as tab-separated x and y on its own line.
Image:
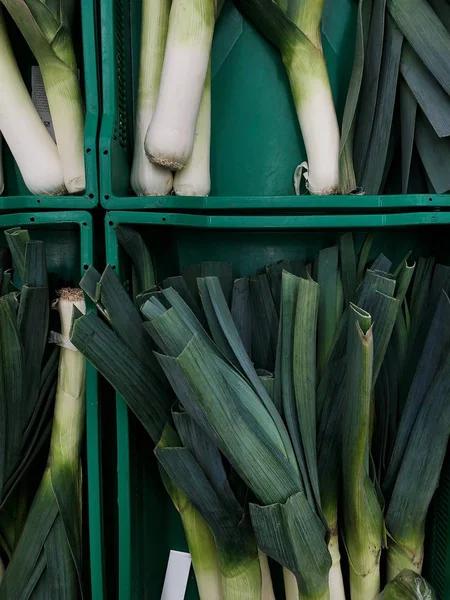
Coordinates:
68	238
148	524
256	142
16	195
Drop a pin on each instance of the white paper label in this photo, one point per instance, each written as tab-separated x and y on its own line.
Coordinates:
177	575
40	101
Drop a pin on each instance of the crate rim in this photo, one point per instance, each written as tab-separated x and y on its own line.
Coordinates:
90	198
84	221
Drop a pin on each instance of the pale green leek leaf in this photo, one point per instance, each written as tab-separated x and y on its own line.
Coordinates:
180	286
408	112
285	373
304	374
235	413
363	521
292	534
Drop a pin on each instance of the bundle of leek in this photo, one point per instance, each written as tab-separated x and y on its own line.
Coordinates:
294	28
48	33
398	103
174	99
38	158
217	528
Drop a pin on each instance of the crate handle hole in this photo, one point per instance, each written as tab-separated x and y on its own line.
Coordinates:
38	201
85	267
106	197
105	152
430	199
32	219
91	196
111	223
164	219
88	150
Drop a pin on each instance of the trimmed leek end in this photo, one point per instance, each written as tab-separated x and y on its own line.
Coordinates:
311	89
267	592
29	141
170	136
336	582
399	558
148	179
195	178
203	550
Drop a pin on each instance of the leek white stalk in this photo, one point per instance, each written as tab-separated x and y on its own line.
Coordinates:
290	585
148	179
267	592
68	420
202	548
336	582
310	84
195	178
170	136
49	37
29	141
399	559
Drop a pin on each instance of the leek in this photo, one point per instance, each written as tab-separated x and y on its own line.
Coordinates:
148	179
195	178
170	137
48	554
297	36
29	141
46	28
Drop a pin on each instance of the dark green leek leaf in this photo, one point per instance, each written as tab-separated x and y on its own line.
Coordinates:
372	176
442	9
348	266
180	286
430	40
17	241
408	111
264	323
369	87
435	352
432	98
131	378
241	312
292	534
435	154
327	278
134	245
364	256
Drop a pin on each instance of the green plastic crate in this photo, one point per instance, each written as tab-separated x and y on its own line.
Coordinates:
148	524
68	238
16	195
256	142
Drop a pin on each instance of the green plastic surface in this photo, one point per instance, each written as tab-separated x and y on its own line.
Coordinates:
16	195
148	525
68	238
256	142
